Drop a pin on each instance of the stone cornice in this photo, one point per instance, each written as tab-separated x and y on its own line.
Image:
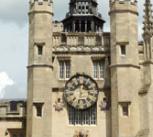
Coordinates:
82	33
124	65
79	49
18	119
39	65
147	62
43	11
123	11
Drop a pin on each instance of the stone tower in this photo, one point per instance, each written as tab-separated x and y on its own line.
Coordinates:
125	76
39	68
82	81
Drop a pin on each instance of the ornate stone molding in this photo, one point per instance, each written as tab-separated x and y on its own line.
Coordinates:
125	65
39	65
79	49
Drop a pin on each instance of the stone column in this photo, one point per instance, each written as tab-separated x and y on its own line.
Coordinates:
79	25
92	26
85	25
73	26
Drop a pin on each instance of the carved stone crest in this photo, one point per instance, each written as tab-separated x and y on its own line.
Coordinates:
59	104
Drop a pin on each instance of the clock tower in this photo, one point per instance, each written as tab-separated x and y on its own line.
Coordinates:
68	83
83	81
80	78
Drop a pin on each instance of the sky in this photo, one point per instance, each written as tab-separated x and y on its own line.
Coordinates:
14	42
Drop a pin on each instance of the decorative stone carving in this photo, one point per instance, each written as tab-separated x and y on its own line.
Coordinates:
81	133
59	104
78	48
104	104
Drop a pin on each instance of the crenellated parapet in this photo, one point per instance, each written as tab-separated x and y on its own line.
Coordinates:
123	1
40	2
123	6
40	6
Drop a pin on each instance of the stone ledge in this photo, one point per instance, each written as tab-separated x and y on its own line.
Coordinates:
125	65
39	65
80	49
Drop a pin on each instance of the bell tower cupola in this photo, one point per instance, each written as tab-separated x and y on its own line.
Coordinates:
83	16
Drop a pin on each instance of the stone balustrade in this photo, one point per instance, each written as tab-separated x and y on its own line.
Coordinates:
79	39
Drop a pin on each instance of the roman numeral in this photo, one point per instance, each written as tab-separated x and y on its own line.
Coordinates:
92	94
91	99
70	98
75	103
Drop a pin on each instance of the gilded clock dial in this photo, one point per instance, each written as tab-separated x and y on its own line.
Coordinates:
81	91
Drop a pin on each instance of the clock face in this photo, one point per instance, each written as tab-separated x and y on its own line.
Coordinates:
81	92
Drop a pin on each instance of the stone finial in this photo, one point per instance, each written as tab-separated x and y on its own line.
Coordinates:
148	18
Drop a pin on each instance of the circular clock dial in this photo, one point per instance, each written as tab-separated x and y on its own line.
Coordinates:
81	91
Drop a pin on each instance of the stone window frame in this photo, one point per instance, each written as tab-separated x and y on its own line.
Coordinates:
13	112
38	105
125	106
101	65
67	70
39	46
123	48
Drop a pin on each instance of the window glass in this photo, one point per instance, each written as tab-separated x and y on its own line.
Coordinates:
123	49
67	64
82	117
38	107
62	69
98	66
40	50
13	106
65	69
101	71
125	110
